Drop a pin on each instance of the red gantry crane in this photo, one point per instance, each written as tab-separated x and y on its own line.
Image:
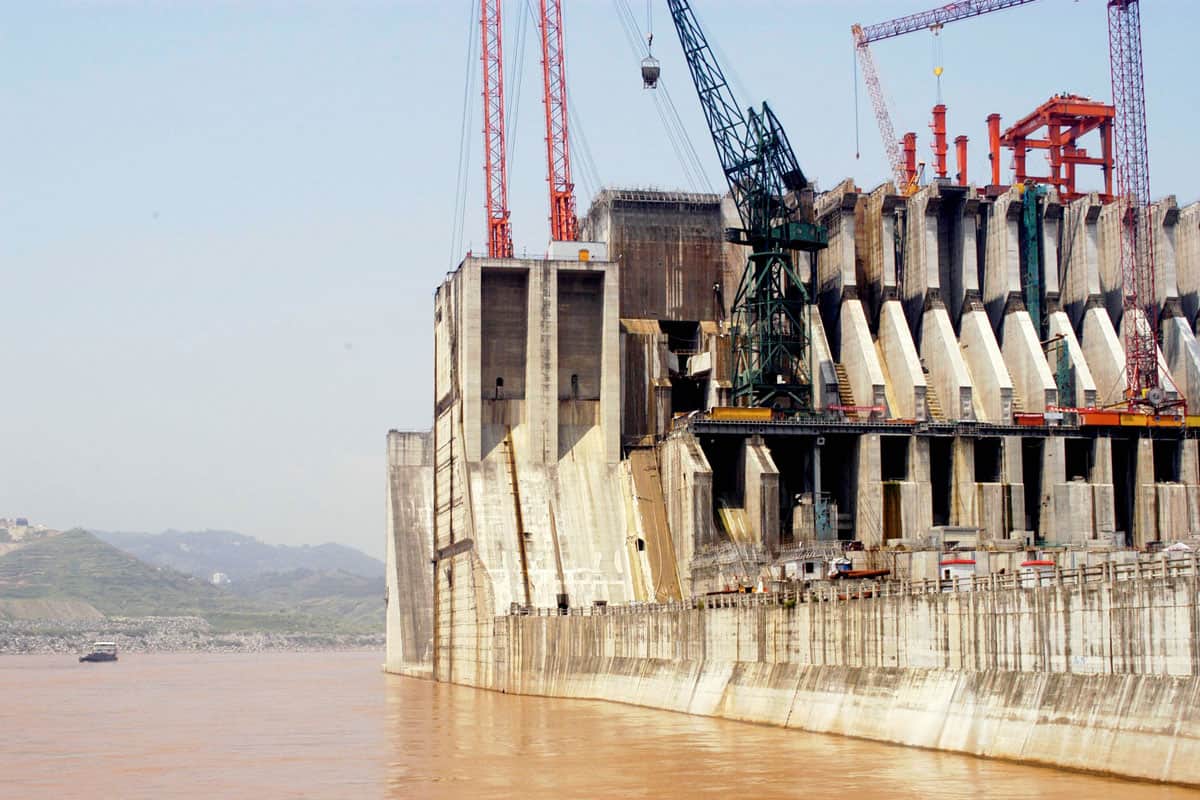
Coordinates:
563	223
1132	165
906	176
499	231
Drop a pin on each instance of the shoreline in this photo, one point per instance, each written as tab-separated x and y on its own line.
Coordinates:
167	635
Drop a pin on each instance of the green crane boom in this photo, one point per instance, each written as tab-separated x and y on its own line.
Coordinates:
771	315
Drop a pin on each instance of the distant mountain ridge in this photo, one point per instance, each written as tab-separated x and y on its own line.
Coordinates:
241	557
77	568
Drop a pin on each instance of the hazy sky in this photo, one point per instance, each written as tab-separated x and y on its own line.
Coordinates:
222	223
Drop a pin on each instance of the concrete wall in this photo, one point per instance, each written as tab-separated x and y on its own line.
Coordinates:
1100	677
409	550
669	247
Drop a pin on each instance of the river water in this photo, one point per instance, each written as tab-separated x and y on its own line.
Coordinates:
331	725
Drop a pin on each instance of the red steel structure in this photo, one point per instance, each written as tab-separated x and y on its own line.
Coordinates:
1133	193
864	35
940	147
1065	118
563	223
494	164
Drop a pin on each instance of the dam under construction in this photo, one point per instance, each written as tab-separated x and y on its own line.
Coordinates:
958	508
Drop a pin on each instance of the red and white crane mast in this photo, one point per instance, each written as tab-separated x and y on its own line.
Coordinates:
563	223
499	230
1133	196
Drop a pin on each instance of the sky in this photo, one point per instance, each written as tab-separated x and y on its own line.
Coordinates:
222	223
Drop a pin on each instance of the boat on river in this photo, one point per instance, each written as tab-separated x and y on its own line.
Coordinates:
101	651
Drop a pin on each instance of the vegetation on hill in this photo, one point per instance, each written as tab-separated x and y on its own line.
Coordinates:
78	566
203	553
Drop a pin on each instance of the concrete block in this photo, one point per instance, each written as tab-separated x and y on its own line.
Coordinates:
905	377
948	373
1032	379
1187	259
992	386
1104	355
1079	257
1085	395
1173	522
860	358
868	505
1073	510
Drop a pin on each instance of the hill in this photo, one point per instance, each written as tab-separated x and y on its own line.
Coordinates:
77	566
203	553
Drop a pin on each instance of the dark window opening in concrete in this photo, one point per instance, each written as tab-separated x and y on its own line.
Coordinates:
839	457
687	394
580	334
1166	461
793	459
989	461
1123	488
641	545
809	568
724	454
503	330
1079	458
893	458
941	471
1031	476
682	336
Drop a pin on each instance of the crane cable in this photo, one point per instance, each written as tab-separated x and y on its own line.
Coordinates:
677	135
458	220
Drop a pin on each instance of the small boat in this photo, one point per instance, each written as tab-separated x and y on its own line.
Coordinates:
101	651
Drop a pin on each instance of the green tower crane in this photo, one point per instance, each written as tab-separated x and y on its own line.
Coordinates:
770	317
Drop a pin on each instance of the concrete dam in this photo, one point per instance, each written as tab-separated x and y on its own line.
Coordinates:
959	548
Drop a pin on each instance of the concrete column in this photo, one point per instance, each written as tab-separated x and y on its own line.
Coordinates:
1179	346
906	379
1101	477
761	481
1020	338
539	442
918	473
1079	254
469	323
1145	500
1013	475
1054	478
1187	259
610	368
962	497
687	492
1085	396
868	505
824	377
992	386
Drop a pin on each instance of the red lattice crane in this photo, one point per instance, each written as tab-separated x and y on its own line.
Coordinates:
499	230
1133	195
563	223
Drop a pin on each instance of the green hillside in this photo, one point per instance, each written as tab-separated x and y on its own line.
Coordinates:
78	566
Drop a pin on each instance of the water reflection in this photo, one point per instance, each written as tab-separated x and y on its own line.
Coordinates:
450	742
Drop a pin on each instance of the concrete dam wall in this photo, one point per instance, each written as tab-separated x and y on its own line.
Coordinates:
587	456
1098	676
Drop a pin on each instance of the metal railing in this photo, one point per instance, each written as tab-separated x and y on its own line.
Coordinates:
1162	568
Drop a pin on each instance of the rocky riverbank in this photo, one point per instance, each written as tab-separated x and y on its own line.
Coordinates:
163	634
